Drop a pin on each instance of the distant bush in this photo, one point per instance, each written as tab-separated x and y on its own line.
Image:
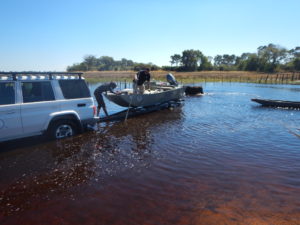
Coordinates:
107	63
77	67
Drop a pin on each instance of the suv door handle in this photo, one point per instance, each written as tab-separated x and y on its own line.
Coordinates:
81	104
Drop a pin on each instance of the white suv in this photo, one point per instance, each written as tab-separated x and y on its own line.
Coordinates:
56	104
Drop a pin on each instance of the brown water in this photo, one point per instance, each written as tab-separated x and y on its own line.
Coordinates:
217	159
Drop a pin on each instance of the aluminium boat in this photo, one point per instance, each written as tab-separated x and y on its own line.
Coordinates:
157	94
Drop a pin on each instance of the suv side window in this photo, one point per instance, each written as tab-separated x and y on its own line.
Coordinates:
74	89
37	91
7	93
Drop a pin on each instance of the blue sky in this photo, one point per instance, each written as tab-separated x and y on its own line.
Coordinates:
49	35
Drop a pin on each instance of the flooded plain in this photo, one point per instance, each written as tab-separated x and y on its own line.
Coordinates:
217	159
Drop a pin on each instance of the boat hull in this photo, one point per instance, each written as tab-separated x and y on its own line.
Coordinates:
277	103
148	99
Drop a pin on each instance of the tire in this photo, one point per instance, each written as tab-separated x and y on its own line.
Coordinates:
62	129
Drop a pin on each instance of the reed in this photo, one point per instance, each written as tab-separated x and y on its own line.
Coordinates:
196	77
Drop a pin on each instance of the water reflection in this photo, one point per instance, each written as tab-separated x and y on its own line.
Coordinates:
139	130
220	159
46	170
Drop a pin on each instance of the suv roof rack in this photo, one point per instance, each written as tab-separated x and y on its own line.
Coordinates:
50	74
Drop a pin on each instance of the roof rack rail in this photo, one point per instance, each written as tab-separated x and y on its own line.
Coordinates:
50	74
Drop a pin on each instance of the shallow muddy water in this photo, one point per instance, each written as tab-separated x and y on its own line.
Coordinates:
217	159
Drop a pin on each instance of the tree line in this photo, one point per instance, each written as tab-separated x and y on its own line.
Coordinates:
107	63
268	58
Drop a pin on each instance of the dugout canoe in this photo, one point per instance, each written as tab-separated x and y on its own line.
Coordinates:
277	103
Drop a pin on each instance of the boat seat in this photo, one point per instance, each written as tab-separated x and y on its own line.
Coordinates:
166	88
127	91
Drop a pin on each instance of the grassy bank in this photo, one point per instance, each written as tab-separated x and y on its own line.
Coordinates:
195	77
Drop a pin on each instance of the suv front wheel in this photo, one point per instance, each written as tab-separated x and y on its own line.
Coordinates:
62	129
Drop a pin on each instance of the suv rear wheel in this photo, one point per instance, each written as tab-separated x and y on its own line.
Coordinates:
62	129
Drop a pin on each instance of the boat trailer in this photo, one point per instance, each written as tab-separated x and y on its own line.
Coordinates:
133	112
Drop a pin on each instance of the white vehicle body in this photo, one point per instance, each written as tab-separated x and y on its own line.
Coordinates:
58	104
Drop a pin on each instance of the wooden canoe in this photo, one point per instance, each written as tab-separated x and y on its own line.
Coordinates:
277	103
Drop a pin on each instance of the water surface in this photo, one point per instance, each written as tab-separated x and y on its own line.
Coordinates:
217	159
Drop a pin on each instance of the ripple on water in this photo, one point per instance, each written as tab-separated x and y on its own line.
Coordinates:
218	159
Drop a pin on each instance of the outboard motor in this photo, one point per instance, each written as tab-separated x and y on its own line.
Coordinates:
171	79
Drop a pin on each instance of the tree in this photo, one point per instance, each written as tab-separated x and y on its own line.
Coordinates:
292	55
175	59
77	67
205	63
296	64
106	62
252	62
229	60
190	59
270	57
218	60
90	61
126	64
225	61
296	52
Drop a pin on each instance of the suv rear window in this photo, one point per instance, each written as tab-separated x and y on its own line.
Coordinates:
74	89
37	91
7	93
